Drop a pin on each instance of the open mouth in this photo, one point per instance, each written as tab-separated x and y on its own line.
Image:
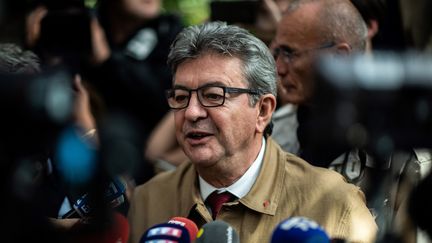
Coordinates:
197	135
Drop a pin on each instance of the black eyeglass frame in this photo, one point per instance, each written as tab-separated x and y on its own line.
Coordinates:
226	90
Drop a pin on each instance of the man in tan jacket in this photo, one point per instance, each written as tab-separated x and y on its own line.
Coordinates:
223	98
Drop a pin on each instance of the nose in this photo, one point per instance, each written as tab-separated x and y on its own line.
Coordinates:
195	111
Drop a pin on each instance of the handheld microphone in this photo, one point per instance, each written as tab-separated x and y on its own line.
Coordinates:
217	232
299	230
191	227
166	233
114	195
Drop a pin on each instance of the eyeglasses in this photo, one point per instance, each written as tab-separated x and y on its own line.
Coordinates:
208	96
288	55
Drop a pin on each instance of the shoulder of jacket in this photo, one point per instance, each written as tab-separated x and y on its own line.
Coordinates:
317	178
166	179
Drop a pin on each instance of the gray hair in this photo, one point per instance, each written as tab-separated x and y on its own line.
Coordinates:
339	21
259	68
14	60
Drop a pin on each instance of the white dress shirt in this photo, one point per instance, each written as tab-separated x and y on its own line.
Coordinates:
243	185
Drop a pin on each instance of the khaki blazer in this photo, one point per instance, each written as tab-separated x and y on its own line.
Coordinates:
286	186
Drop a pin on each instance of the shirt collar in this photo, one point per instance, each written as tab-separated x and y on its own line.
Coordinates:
243	185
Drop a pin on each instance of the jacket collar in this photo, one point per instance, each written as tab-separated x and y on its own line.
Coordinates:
264	195
191	196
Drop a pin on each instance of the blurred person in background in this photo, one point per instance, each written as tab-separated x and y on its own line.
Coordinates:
25	170
125	49
306	30
68	36
139	35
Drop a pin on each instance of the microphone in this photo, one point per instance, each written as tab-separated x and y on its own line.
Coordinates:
116	231
217	232
114	195
166	233
299	230
191	227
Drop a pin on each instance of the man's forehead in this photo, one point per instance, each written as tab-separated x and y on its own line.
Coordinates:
203	70
299	28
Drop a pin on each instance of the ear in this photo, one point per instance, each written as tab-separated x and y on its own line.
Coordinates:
343	49
372	28
266	106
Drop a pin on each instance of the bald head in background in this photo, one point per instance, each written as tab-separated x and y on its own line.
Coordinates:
309	28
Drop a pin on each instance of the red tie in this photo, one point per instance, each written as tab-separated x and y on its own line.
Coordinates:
215	201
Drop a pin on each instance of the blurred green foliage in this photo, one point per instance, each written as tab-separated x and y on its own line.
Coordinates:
191	11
